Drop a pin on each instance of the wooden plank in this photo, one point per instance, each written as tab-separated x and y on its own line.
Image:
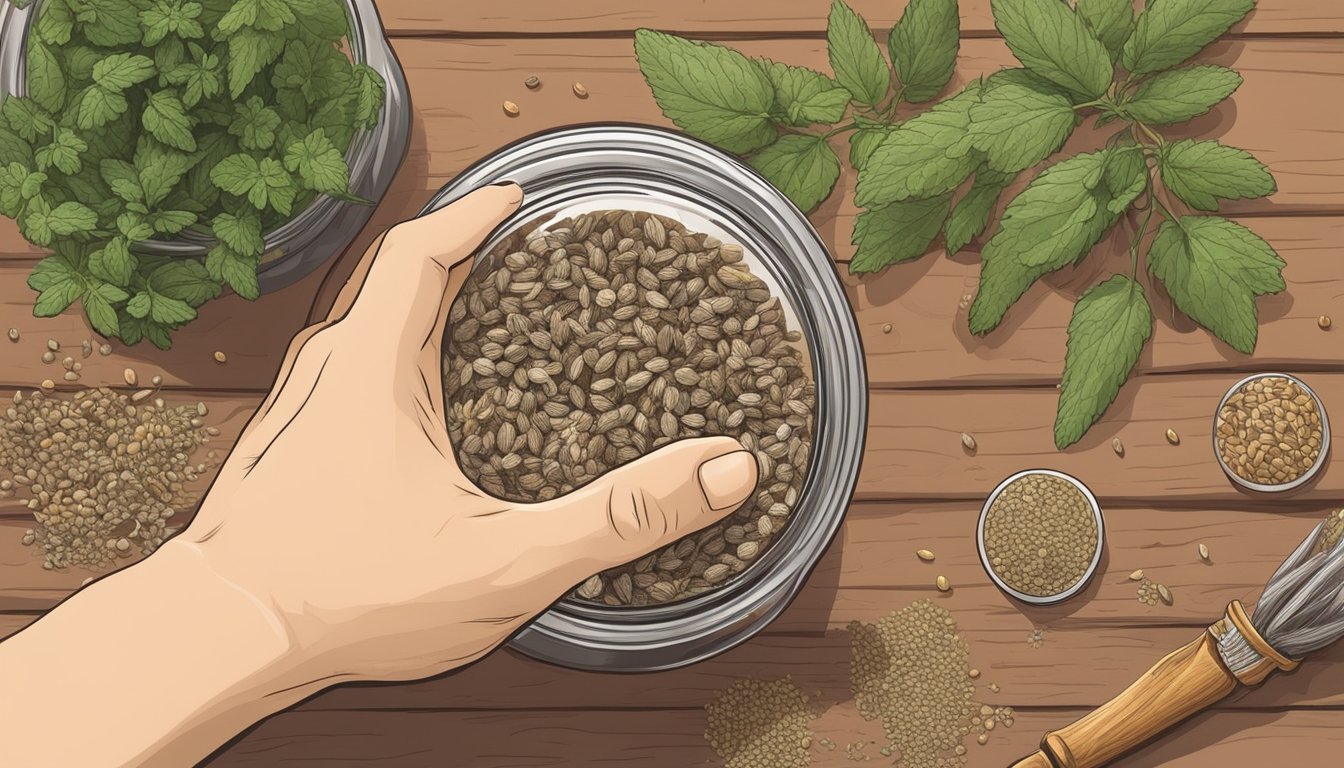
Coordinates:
661	737
507	18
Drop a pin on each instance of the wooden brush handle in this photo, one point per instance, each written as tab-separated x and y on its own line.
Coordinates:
1180	685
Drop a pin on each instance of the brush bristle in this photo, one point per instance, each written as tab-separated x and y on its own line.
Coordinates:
1302	607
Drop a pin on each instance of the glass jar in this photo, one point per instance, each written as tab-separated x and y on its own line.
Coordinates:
577	171
326	226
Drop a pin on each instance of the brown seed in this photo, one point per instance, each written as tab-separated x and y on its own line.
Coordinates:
1323	322
156	380
532	82
221	358
968	442
1164	593
53	345
580	91
943	584
1204	552
510	108
1173	438
105	350
13	334
925	555
1136	575
1117	446
130	378
48	384
886	327
86	348
48	357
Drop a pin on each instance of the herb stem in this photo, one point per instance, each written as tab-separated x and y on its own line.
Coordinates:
1150	133
1138	237
850	126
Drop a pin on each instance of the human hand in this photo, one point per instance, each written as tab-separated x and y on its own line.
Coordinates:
342	509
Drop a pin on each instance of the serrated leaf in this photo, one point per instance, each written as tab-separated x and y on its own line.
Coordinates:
26	118
262	183
709	91
109	23
51	270
1181	94
102	316
269	15
897	232
170	311
923	157
250	50
159	170
864	141
369	94
804	168
139	305
236	270
120	71
1111	323
1171	31
54	300
46	81
198	78
803	96
185	280
122	179
1020	120
99	106
13	183
166	120
254	124
1214	268
923	47
1201	172
971	214
170	222
62	153
855	56
241	232
14	149
55	23
1061	214
114	262
170	18
1053	42
320	166
1111	21
134	226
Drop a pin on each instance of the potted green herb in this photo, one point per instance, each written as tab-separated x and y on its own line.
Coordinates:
165	150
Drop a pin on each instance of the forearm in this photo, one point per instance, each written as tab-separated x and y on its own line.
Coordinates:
156	665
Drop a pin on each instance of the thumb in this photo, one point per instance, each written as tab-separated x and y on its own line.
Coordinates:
639	507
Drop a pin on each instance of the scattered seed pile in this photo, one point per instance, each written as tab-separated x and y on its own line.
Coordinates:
1269	431
1040	535
1331	533
760	724
1037	638
1150	592
103	471
582	344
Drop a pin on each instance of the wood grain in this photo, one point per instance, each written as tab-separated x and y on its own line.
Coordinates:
779	18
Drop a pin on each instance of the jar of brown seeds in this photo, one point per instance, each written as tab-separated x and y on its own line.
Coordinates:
652	289
1271	433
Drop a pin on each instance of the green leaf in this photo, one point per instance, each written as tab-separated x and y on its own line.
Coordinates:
17	184
864	141
79	62
46	81
54	300
185	280
923	47
925	156
166	120
254	124
57	268
237	270
55	22
897	232
1111	21
1021	119
370	92
1214	268
1181	94
62	153
321	19
170	311
122	179
804	168
259	182
159	169
114	262
109	23
139	305
26	118
134	226
1171	31
250	51
1200	172
170	222
120	71
1057	219
855	56
41	222
102	316
241	232
320	166
1052	41
805	97
1110	325
709	91
99	106
198	78
270	15
971	214
14	149
170	18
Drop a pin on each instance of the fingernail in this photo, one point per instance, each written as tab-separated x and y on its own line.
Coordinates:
518	197
728	479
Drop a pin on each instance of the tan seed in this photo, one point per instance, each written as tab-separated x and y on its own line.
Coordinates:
967	441
1204	552
943	584
48	384
1173	438
532	82
510	108
1164	593
13	334
105	350
48	357
1136	575
580	91
53	345
925	555
1323	322
1117	446
886	327
221	358
130	378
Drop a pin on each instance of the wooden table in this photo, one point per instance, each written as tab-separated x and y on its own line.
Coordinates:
931	381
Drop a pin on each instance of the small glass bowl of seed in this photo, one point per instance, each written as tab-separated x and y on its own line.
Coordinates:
653	289
1271	433
1040	536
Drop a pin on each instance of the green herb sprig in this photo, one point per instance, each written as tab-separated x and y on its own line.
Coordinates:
146	119
943	171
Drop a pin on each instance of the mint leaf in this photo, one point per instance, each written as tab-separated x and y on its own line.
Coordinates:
185	280
235	269
1061	214
1200	172
102	316
369	91
804	168
14	149
806	97
1181	94
1111	21
254	124
170	18
270	15
240	232
55	22
114	262
855	56
1050	40
120	71
170	311
54	300
1110	325
139	305
122	179
166	120
46	81
159	169
134	226
109	23
866	140
1171	31
18	184
199	78
62	152
98	106
1214	268
923	47
970	216
897	232
1021	120
57	268
262	183
320	166
711	92
925	156
40	222
250	51
26	118
79	62
170	222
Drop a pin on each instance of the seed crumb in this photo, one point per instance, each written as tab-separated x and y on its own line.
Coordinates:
580	91
1036	639
510	109
925	555
1172	437
974	673
1136	575
532	82
1323	322
221	358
